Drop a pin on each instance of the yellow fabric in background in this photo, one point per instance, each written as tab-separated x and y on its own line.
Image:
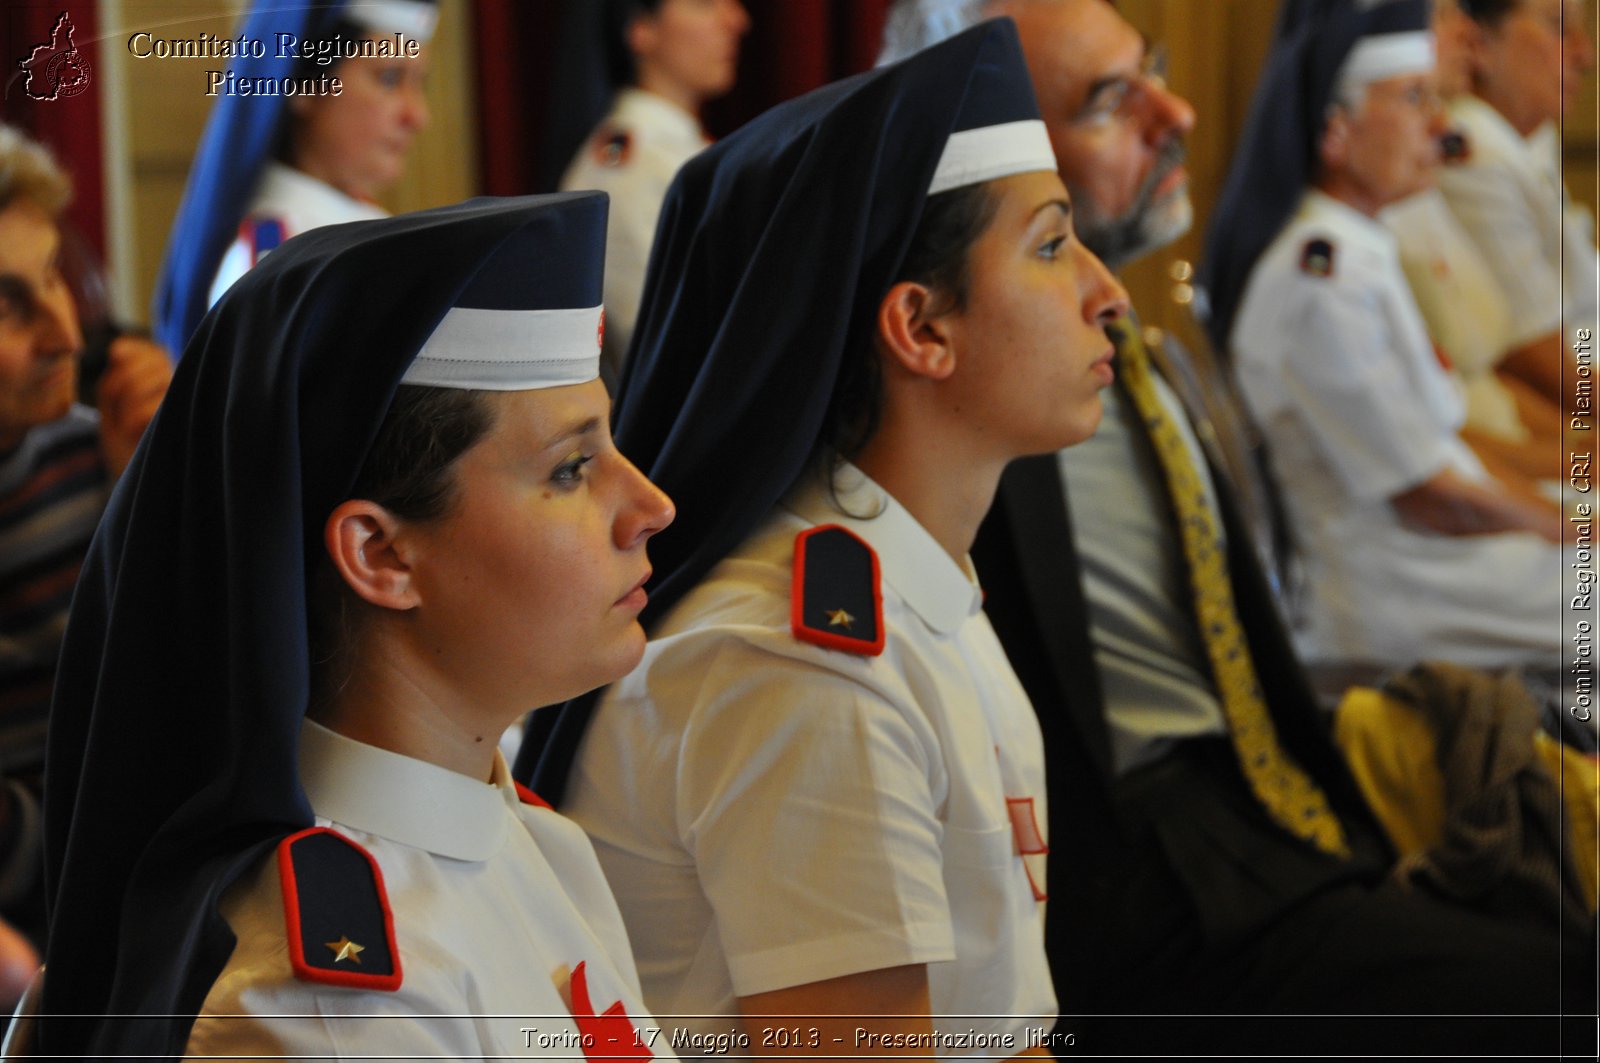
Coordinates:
1390	750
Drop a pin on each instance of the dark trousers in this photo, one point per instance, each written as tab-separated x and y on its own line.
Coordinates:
1250	940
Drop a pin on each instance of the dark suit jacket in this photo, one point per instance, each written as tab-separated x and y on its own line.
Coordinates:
1035	598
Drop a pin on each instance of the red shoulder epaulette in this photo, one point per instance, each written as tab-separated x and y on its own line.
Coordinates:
837	597
336	910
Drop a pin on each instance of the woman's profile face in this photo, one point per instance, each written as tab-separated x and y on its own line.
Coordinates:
358	141
1531	65
530	587
691	45
1031	340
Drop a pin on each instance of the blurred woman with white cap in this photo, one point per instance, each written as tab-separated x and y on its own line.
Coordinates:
272	166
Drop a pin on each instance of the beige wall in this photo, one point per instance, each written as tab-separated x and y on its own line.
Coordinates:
1213	60
157	109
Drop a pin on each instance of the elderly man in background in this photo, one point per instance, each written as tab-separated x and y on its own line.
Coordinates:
58	460
1212	855
1412	548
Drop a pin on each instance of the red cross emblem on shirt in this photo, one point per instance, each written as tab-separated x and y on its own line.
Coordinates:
609	1035
1030	842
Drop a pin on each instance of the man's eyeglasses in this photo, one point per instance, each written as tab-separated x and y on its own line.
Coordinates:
1114	99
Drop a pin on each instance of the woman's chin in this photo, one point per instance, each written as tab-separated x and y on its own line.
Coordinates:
1084	424
622	659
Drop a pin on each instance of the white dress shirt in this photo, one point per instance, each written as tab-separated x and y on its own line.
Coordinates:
633	155
1466	311
1509	197
1154	672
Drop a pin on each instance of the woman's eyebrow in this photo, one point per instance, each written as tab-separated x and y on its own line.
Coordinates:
1063	205
576	428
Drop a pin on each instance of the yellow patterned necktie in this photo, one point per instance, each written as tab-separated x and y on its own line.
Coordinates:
1289	795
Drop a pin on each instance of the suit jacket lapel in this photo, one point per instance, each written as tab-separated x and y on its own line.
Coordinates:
1032	510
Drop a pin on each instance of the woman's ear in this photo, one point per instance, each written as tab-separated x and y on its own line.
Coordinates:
361	539
915	336
1473	39
1334	148
640	35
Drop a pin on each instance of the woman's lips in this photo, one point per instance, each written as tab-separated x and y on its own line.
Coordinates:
1102	367
636	598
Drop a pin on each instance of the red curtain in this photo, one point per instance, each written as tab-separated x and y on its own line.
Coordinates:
793	47
69	126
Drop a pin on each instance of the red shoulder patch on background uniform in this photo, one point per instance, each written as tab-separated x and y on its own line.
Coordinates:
1316	258
613	147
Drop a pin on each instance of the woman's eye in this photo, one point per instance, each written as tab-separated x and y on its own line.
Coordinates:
391	77
1052	248
570	471
16	301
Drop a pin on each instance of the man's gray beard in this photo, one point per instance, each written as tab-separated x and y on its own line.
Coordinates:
1147	225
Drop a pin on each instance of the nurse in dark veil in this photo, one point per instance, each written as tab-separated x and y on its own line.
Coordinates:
821	793
379	515
271	166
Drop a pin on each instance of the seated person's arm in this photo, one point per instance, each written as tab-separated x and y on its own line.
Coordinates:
136	378
20	844
832	1015
1541	363
1449	504
854	1015
1524	462
1542	417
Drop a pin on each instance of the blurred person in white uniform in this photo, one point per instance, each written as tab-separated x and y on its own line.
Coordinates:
666	59
270	167
1527	60
1513	425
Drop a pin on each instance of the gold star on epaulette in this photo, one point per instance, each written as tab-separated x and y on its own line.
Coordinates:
840	618
345	949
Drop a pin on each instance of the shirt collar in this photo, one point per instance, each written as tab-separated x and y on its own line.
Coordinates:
1487	127
285	184
404	799
1349	222
912	561
636	107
